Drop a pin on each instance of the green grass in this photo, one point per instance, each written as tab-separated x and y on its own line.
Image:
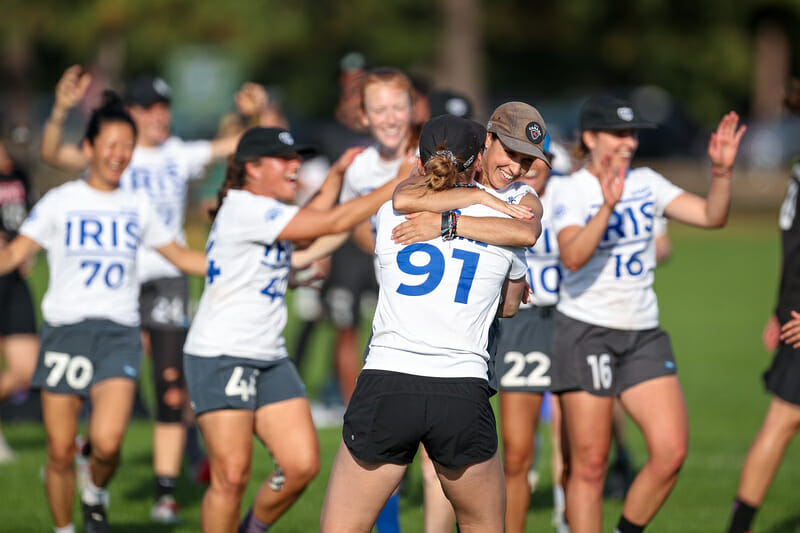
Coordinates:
715	295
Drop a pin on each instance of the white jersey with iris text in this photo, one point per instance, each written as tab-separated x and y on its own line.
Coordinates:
437	299
163	172
544	265
92	238
242	312
614	289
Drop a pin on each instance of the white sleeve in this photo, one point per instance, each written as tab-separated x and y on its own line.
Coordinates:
519	266
40	224
568	206
263	221
665	191
155	233
196	154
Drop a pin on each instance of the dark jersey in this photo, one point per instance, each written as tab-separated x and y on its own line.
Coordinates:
15	200
789	294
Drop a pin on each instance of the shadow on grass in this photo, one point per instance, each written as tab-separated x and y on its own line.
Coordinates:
790	525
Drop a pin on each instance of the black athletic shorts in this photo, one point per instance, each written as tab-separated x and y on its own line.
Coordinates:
783	377
604	361
164	304
524	344
17	316
351	278
391	413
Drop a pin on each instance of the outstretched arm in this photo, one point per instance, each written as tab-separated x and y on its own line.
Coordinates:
187	260
512	294
70	89
328	193
17	252
712	212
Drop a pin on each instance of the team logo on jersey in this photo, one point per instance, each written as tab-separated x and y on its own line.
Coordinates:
286	138
273	213
625	113
534	132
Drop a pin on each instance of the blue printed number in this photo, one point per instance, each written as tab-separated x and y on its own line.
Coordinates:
433	269
275	289
112	274
632	265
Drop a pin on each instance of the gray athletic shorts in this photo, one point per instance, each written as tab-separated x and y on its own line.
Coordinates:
783	377
524	345
74	357
226	382
164	303
604	361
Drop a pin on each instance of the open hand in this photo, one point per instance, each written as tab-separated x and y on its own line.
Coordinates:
724	144
419	227
72	87
612	182
251	99
790	332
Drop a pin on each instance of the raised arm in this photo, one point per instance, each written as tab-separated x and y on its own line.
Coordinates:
321	247
187	260
12	255
70	89
328	193
251	101
712	212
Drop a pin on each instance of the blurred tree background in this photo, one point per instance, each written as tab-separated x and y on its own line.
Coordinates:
710	55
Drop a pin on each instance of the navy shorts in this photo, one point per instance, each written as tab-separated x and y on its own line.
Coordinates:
391	414
17	316
75	357
524	345
604	361
226	382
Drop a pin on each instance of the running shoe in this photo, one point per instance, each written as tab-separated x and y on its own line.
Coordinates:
165	511
94	519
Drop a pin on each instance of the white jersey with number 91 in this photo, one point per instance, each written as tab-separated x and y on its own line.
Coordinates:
437	299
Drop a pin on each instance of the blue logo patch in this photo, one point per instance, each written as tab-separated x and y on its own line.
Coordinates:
130	371
273	213
669	364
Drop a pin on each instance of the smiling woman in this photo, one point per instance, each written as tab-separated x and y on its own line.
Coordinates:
240	377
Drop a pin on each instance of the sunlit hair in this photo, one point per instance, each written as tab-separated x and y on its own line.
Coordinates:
394	77
441	172
111	110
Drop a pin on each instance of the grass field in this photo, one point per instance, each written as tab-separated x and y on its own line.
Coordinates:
715	294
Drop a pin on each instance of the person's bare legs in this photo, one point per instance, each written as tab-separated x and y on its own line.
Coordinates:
519	415
228	434
587	424
20	352
658	408
439	516
112	403
356	493
781	424
287	430
484	514
60	417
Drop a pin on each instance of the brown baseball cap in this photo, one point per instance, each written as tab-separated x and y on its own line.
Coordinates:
521	128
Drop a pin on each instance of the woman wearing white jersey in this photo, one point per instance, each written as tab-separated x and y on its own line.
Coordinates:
241	380
513	148
90	346
426	373
162	165
607	339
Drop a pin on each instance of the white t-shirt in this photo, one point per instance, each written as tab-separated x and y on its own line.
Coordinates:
436	301
92	238
614	289
367	173
243	311
163	172
544	264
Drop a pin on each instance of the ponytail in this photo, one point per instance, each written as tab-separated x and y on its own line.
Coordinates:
234	179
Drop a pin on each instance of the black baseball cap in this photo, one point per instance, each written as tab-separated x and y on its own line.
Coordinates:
521	128
453	136
607	112
146	91
444	101
269	142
